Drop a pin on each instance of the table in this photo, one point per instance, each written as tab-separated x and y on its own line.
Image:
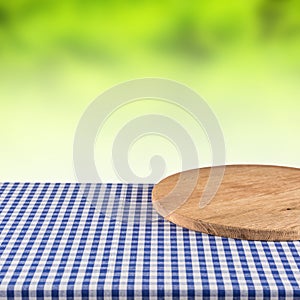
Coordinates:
93	241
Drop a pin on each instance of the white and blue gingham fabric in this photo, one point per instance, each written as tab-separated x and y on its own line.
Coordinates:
94	241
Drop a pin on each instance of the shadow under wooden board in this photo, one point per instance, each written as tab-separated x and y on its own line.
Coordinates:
253	202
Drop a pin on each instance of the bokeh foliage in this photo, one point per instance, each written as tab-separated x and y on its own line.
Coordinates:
115	32
56	56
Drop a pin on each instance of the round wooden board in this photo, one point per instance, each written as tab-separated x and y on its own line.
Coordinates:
253	202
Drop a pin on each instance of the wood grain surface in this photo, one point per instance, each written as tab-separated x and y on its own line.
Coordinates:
253	202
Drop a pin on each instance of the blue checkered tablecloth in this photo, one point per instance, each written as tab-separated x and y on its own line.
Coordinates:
93	241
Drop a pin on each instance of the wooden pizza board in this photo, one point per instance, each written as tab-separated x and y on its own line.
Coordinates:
253	202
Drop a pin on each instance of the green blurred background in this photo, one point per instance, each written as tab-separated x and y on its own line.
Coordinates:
57	56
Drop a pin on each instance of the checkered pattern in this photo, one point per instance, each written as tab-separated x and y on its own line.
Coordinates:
93	241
